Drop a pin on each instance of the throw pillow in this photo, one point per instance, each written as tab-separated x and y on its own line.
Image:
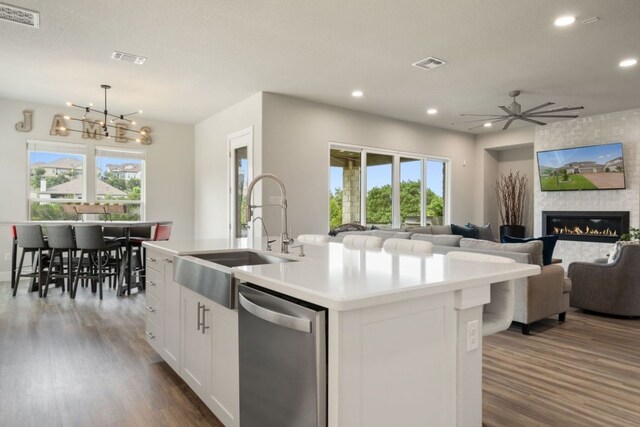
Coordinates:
441	229
347	227
533	248
615	251
548	245
463	231
484	231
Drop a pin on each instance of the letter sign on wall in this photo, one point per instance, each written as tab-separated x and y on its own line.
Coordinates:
26	124
91	129
59	126
121	132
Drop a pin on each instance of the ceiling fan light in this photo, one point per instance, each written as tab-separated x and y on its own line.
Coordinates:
563	21
432	111
357	94
628	62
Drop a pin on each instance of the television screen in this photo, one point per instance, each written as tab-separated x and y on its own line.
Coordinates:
595	167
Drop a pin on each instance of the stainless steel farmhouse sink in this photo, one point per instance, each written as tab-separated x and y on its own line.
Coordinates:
210	274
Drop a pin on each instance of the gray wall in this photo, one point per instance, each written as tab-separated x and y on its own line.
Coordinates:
169	163
296	137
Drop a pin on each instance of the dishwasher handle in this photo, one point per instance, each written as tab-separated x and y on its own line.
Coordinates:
280	319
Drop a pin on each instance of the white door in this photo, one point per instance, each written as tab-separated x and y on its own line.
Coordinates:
240	174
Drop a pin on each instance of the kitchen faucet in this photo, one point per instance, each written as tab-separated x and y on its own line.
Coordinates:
285	240
264	227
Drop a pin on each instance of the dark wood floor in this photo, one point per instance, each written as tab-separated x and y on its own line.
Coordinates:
86	363
584	372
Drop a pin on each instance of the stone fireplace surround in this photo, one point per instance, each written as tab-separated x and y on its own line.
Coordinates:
622	126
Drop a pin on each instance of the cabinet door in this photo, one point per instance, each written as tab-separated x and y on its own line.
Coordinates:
196	344
171	337
224	395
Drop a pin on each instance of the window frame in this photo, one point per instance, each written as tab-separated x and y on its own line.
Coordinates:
395	185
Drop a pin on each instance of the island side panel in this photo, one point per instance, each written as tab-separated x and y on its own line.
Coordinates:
394	364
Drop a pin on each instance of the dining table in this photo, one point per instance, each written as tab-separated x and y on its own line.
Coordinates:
125	279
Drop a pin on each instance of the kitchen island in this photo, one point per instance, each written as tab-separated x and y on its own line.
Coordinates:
398	347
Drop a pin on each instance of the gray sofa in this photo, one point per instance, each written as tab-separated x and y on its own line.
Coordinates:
608	288
536	298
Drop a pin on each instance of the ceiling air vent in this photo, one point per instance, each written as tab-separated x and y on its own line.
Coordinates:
19	15
127	57
429	63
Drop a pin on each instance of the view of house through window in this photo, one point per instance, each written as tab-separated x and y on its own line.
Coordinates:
58	178
120	177
420	192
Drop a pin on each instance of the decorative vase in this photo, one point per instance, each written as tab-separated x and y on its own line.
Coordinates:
512	231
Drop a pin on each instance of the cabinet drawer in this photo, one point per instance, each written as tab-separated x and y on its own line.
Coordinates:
153	307
153	334
154	260
155	282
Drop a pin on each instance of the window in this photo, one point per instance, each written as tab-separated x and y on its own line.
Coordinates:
379	190
401	190
56	177
120	180
344	187
241	173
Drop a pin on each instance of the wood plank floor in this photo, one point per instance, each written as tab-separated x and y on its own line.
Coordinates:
86	363
584	372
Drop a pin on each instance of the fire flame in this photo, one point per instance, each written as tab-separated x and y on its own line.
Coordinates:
587	231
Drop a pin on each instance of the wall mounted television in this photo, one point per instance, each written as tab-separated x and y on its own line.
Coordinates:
593	167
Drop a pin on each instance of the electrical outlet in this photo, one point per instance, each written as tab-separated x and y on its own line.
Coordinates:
472	335
7	256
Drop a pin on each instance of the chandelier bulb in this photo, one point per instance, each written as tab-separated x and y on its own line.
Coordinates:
69	104
91	104
62	128
111	121
66	117
133	123
143	132
137	139
139	111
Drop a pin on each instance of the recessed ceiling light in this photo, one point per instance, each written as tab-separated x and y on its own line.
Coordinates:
629	62
432	111
357	94
563	21
488	124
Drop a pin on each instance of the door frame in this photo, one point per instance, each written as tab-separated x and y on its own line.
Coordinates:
234	141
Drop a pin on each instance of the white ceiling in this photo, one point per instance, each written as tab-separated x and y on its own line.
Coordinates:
207	55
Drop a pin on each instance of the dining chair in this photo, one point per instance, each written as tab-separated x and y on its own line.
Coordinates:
30	238
90	241
497	315
407	246
61	240
354	241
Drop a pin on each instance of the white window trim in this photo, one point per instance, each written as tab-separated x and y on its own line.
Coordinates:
395	194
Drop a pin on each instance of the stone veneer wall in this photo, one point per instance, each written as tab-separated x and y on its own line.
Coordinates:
615	127
351	194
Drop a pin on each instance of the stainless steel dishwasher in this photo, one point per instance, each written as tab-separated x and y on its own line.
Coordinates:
283	360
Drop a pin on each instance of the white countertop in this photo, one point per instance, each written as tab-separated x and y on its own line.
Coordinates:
344	279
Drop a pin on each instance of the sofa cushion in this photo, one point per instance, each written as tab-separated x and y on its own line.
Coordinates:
427	229
464	231
441	229
484	231
548	245
439	239
533	248
388	234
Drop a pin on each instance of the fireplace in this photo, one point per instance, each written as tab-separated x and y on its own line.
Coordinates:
586	226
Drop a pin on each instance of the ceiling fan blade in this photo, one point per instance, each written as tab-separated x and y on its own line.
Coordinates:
559	110
573	116
506	125
546	104
482	120
505	109
483	115
532	121
482	125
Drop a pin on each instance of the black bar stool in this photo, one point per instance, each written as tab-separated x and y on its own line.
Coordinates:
90	241
60	239
30	239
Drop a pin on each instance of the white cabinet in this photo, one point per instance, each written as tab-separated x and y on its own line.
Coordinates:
196	341
171	336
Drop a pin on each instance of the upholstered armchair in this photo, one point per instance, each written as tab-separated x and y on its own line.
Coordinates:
608	288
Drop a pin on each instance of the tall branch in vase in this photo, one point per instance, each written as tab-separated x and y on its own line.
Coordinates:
511	193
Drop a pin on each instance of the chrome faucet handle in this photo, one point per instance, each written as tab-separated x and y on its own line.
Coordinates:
301	247
269	242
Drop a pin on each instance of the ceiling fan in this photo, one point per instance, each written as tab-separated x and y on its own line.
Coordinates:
514	112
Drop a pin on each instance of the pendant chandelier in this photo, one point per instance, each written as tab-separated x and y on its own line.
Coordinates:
107	120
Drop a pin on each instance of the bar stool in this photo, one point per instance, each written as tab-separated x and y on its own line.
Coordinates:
30	239
406	246
90	241
60	239
354	241
313	239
